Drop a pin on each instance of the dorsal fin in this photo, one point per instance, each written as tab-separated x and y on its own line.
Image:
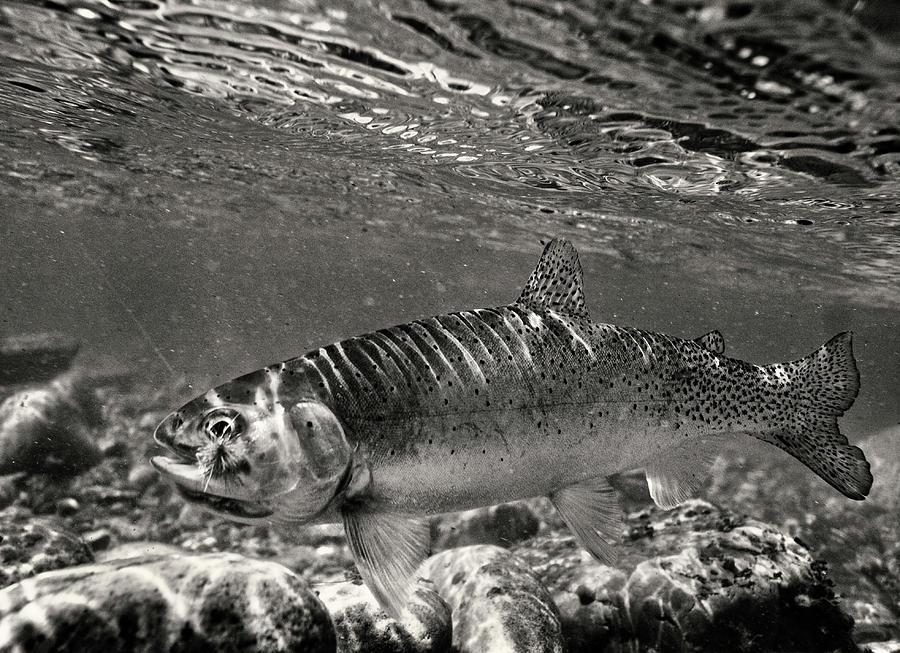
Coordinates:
556	282
713	341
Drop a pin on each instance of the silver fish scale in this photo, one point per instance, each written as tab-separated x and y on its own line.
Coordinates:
473	366
457	361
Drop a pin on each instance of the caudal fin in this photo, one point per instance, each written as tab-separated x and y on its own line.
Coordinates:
822	386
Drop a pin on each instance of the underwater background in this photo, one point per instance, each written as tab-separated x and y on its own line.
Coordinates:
191	190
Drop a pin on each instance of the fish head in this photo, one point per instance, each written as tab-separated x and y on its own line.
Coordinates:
256	460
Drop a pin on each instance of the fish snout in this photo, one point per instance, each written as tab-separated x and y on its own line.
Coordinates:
166	435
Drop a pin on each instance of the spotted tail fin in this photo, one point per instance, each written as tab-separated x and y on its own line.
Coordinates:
823	385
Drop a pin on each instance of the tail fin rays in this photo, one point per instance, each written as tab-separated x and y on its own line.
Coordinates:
825	384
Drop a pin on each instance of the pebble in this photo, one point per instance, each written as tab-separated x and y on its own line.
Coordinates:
67	507
98	540
29	546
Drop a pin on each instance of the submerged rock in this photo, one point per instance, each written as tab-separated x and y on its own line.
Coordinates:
697	578
362	625
49	429
502	525
29	547
139	550
497	603
212	602
35	357
859	539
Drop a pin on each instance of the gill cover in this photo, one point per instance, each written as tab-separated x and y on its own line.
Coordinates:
322	464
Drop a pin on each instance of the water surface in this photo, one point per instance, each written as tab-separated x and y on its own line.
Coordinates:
196	189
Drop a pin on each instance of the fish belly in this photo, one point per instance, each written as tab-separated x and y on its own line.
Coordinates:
460	462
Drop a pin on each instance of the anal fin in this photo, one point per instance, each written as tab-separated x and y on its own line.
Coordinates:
387	548
675	475
591	511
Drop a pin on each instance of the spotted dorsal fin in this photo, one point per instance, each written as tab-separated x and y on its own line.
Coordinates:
713	341
556	283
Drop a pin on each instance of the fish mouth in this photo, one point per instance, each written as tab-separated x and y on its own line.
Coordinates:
234	508
193	487
184	471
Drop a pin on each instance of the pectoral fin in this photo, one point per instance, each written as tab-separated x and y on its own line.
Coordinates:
591	511
675	476
387	548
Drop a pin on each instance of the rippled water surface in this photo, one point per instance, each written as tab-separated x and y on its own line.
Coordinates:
196	189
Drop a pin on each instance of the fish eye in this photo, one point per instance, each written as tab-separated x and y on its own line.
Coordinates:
223	423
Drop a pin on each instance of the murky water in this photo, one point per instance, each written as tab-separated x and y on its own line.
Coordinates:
195	189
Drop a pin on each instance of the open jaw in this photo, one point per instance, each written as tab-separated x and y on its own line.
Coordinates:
196	489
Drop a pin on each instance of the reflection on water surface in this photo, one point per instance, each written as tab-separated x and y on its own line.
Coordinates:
216	184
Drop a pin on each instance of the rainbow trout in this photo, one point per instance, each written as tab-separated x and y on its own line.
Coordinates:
490	405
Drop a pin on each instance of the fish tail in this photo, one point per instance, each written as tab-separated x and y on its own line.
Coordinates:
821	387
